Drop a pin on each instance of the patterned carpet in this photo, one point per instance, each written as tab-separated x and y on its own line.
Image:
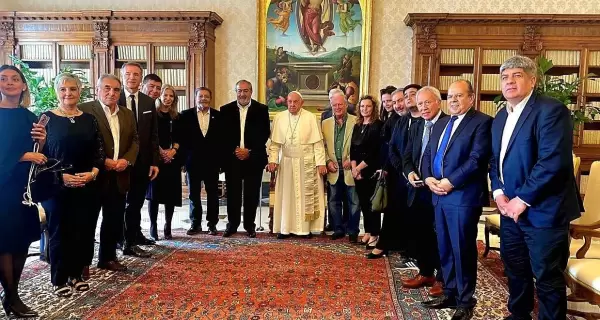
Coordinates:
206	277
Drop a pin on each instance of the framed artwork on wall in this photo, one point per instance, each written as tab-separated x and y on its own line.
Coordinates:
312	46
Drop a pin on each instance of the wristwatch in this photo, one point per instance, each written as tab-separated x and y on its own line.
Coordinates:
94	175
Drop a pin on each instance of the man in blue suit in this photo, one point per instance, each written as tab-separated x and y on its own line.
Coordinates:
531	171
455	170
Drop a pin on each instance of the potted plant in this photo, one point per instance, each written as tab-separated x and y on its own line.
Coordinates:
42	92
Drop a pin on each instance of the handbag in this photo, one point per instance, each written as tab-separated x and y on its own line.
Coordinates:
379	199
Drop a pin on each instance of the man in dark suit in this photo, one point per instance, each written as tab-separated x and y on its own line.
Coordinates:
117	125
533	184
202	146
454	168
245	155
420	209
146	166
151	85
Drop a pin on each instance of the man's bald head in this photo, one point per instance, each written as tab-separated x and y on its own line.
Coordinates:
294	102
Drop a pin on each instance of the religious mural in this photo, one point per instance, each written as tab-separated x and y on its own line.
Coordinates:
312	46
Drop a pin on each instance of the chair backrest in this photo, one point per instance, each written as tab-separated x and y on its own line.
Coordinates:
591	202
576	164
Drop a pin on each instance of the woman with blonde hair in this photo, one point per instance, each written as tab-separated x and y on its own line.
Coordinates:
166	188
19	224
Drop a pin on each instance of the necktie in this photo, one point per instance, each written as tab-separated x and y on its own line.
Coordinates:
425	140
134	108
439	155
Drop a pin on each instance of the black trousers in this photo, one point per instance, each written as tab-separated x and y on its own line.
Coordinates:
372	220
246	175
391	236
211	185
113	212
69	214
425	248
541	253
153	212
135	201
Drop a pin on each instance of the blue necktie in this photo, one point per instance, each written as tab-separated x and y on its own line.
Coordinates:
439	155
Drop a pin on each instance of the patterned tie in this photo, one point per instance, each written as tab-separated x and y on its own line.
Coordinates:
425	140
439	155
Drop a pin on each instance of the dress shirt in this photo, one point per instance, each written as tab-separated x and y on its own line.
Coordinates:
514	113
243	113
115	128
137	102
454	126
433	121
203	120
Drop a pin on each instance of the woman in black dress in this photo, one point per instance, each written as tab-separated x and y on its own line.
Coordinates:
19	224
364	156
73	139
166	188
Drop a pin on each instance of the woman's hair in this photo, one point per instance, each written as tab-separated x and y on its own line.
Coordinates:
173	108
374	113
387	90
25	99
64	77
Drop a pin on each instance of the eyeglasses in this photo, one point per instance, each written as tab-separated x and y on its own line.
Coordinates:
425	103
243	91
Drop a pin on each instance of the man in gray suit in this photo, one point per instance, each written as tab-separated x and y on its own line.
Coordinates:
117	125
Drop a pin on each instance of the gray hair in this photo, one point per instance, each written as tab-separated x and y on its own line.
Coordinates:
433	90
335	91
401	90
520	62
135	64
242	81
108	76
64	77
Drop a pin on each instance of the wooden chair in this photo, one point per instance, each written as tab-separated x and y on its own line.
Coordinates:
583	273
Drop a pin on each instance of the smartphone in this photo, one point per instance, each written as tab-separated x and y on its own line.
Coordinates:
44	119
419	183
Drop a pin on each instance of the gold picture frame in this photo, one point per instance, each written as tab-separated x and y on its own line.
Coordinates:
365	41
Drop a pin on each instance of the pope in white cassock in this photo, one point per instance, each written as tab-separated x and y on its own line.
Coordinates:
298	155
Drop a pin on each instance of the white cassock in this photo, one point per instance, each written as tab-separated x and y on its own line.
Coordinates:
297	146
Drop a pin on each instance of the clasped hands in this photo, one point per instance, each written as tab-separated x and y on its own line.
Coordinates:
439	187
77	180
167	155
512	208
242	153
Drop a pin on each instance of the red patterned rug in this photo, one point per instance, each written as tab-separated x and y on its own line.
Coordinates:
206	277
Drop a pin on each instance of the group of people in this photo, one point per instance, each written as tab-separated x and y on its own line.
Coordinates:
110	155
436	167
128	146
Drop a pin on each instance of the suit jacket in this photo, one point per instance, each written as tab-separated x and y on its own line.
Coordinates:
411	159
128	140
398	142
147	129
202	153
465	160
538	164
256	133
328	128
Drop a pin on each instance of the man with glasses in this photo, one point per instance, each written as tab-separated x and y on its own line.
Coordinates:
245	155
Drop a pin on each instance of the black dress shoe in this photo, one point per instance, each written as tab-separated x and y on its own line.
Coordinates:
193	230
463	314
136	252
372	255
18	308
282	236
336	236
212	231
353	238
328	227
439	303
306	236
252	234
228	233
143	241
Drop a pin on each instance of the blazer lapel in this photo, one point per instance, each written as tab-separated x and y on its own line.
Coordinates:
522	118
348	132
465	121
122	136
498	126
99	113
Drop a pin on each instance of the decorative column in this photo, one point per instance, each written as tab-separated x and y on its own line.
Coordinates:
100	50
7	41
425	44
201	56
532	43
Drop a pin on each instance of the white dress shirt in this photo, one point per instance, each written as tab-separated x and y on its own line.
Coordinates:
514	113
243	113
128	102
203	120
115	128
434	120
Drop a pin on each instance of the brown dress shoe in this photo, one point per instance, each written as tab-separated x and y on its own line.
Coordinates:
85	274
112	266
437	290
418	282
